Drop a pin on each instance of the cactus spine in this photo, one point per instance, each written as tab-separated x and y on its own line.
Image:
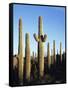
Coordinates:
41	38
20	52
54	55
27	57
48	55
60	51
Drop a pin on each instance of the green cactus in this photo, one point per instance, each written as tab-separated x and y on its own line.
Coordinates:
54	54
60	51
27	57
20	52
48	55
41	38
51	57
35	71
33	56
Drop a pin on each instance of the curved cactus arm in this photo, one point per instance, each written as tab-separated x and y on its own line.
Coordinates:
45	37
36	37
17	56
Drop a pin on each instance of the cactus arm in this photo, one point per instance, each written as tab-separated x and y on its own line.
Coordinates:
36	37
43	38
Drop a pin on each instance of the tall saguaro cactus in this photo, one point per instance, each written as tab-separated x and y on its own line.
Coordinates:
54	55
48	55
41	38
20	52
27	57
60	51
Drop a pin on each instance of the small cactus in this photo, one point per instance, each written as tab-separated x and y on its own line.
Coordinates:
60	51
51	57
48	55
41	38
33	57
54	55
27	57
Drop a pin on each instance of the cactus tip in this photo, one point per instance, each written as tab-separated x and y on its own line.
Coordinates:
40	16
20	18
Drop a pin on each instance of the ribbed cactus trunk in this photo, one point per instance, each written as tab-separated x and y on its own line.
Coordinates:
61	52
48	55
20	52
27	57
54	54
41	38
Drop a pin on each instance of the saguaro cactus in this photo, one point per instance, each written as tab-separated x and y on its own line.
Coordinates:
48	55
33	57
27	57
20	52
60	51
51	57
41	38
54	55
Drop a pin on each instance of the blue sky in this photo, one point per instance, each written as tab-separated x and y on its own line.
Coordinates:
53	25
